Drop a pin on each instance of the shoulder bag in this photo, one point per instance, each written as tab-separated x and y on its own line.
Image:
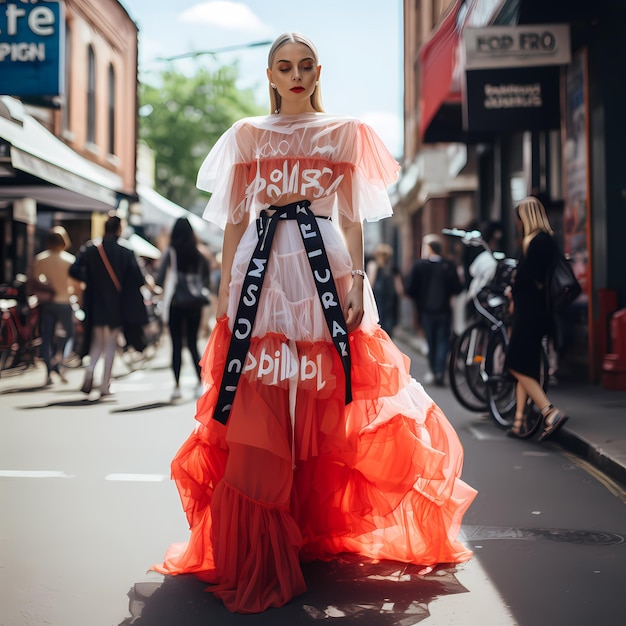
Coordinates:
562	286
133	331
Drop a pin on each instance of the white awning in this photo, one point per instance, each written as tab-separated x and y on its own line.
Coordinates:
142	247
158	210
77	182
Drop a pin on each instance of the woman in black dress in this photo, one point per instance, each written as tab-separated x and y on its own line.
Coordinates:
531	318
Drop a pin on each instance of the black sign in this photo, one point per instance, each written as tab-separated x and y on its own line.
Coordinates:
512	99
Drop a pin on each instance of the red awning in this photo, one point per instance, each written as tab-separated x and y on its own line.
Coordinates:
438	59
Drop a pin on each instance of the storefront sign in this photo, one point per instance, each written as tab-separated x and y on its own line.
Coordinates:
32	43
512	99
516	46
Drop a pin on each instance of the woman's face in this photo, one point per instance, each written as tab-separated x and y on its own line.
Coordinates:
294	73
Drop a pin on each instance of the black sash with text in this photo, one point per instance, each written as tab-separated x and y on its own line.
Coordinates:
251	291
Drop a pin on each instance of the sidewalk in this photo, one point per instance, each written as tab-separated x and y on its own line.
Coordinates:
596	430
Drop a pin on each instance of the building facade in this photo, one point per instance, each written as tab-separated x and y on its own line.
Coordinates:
520	97
67	138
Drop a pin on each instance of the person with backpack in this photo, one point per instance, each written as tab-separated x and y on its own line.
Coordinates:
432	282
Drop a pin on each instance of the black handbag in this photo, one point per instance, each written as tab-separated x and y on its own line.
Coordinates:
562	286
190	292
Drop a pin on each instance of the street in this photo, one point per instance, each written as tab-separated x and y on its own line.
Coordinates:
87	507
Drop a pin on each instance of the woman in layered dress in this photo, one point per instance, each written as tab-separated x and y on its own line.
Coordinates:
312	437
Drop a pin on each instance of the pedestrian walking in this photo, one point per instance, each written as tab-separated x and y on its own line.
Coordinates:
312	438
112	300
183	262
50	280
532	320
386	282
432	282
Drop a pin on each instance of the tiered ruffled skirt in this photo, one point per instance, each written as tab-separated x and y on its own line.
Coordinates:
298	475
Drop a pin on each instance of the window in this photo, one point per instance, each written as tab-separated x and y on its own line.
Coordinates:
66	95
111	109
91	95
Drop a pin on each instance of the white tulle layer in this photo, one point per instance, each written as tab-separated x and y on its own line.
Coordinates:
289	302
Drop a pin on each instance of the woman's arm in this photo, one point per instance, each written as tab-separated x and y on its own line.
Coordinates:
353	305
232	237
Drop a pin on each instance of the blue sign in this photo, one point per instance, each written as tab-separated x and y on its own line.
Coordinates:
32	48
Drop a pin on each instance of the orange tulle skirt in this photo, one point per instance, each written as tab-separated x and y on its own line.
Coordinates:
297	475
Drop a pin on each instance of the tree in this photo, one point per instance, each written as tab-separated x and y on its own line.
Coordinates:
182	118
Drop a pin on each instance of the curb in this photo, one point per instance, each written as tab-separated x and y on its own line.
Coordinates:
592	453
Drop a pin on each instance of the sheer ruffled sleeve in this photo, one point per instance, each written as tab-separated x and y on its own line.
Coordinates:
364	195
223	173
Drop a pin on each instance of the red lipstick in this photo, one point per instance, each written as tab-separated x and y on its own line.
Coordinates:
297	89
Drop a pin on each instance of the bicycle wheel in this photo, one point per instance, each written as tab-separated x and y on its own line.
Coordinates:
501	388
7	342
467	358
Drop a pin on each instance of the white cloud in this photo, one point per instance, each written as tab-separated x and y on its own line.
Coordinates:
230	15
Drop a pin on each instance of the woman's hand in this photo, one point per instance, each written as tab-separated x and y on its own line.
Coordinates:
353	305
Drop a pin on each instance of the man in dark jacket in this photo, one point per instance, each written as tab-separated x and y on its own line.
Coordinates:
113	301
431	284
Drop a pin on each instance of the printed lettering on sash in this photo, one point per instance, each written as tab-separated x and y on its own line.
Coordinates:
248	328
327	276
260	268
250	298
282	365
305	229
328	300
338	329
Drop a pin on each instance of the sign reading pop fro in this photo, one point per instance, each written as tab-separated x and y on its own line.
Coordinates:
516	46
32	39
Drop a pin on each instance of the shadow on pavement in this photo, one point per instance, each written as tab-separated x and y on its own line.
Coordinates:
78	403
350	588
142	407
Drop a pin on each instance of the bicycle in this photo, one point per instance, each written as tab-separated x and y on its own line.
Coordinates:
491	275
20	336
475	367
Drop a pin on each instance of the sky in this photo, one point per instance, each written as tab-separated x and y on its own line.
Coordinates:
359	44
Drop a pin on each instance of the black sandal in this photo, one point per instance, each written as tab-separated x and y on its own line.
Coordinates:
557	421
517	430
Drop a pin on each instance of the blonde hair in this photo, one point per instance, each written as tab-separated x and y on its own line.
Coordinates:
281	40
533	216
383	250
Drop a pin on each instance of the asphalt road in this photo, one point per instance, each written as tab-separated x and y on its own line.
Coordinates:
86	506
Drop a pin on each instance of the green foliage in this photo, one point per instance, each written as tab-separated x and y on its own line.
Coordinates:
182	118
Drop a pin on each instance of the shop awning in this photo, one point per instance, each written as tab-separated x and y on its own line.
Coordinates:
442	71
62	178
144	248
438	59
158	210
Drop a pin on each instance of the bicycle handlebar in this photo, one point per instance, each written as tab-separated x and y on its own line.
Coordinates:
469	238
